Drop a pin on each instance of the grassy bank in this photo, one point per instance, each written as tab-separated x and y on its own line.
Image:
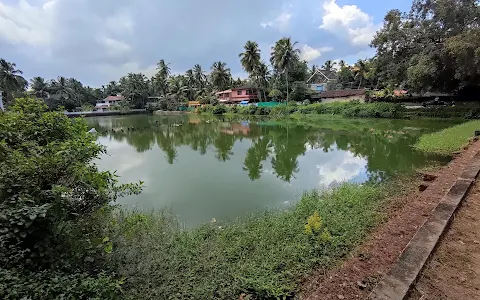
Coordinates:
448	140
264	255
353	109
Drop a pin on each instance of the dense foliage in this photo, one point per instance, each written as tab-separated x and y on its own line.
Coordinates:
436	46
50	192
347	109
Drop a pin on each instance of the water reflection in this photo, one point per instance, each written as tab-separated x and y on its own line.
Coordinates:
222	168
385	151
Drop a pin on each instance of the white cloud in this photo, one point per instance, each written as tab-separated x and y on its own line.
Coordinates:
336	172
310	54
26	24
349	21
281	23
114	47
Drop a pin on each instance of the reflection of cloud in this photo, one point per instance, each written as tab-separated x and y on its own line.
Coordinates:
340	169
120	157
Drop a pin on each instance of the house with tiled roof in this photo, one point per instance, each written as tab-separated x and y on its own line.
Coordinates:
325	79
106	103
340	96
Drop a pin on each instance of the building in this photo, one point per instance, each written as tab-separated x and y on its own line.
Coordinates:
237	95
340	96
108	102
325	80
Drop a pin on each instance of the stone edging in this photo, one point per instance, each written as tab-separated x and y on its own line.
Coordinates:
396	284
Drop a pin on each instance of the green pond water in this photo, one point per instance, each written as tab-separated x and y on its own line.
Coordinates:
206	167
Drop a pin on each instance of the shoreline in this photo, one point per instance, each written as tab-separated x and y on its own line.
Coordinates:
357	275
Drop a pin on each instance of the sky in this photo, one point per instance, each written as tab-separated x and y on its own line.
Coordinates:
99	41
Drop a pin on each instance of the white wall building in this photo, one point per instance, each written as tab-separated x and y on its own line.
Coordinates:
108	102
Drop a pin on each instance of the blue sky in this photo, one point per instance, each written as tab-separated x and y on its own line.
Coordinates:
99	41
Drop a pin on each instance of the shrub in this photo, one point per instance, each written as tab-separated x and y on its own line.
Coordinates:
264	254
49	192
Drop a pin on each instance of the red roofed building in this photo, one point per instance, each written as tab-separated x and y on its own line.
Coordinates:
108	102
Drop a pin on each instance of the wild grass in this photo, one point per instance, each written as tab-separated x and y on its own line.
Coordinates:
449	140
264	255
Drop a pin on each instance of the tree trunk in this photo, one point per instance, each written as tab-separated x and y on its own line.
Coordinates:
286	78
360	84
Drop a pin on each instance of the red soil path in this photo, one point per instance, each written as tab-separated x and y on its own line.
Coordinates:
355	278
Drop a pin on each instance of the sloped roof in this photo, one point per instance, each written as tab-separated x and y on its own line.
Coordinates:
339	94
114	98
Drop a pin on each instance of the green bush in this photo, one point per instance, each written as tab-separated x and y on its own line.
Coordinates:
49	192
16	284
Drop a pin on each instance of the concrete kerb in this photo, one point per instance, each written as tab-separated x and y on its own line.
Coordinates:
396	284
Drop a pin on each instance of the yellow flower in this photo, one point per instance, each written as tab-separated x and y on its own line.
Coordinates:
314	224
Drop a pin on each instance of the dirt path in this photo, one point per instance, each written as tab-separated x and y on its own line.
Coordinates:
355	278
454	270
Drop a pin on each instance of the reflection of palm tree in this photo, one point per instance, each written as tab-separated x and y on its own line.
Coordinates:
224	144
257	153
166	143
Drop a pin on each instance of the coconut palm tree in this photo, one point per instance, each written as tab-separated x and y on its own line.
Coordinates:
177	87
283	56
11	79
200	77
329	65
361	70
220	75
112	88
77	90
60	89
262	74
250	58
342	64
163	69
39	87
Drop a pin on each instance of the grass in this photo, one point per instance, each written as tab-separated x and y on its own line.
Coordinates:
449	140
264	255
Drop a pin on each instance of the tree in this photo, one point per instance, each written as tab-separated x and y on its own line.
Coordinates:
415	48
60	89
163	69
200	77
10	79
262	75
361	70
51	193
283	56
135	87
329	65
250	58
39	87
112	88
220	76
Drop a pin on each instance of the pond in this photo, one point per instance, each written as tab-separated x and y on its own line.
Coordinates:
208	167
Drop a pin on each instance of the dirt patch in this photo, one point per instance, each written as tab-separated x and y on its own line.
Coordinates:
453	272
355	278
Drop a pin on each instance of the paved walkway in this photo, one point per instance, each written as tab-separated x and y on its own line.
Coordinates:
454	270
